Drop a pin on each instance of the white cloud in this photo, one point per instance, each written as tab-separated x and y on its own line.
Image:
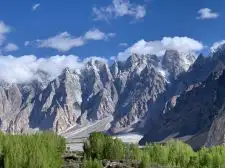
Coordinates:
62	42
65	41
140	12
11	47
94	58
119	8
25	68
35	6
4	29
123	44
181	44
206	13
217	45
96	34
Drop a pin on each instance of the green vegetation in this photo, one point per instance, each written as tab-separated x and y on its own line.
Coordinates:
173	154
41	150
46	150
92	163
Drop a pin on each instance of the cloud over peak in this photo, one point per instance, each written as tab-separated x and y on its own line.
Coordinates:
206	13
119	8
159	47
25	68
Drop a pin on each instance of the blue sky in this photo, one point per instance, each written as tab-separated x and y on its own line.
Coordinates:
161	18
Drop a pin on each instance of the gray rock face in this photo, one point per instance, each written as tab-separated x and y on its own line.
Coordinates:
99	94
58	106
139	94
128	91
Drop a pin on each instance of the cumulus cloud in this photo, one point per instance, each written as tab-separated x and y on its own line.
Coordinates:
11	47
119	8
35	6
142	47
217	45
206	13
65	41
62	42
25	68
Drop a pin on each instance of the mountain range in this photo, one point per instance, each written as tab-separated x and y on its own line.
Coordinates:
177	95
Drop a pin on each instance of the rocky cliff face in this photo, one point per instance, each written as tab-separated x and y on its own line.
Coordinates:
195	113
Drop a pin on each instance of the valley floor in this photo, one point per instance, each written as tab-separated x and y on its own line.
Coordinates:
76	136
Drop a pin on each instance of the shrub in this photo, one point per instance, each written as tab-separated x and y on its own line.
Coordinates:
100	146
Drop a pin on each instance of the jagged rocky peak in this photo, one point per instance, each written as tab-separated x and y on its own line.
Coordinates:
134	60
171	64
132	67
43	77
95	75
98	92
96	64
200	62
70	82
219	48
138	62
99	68
218	53
176	63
